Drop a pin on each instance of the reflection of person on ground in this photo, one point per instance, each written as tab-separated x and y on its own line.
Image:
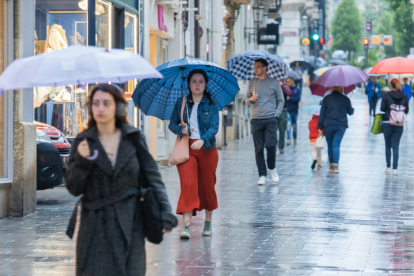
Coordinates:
406	88
394	102
266	98
111	238
198	174
283	118
313	135
373	90
333	121
298	70
293	110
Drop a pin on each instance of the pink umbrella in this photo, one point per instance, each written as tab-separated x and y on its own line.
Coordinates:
342	75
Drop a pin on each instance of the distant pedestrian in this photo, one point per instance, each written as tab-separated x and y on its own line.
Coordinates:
313	136
406	88
198	174
334	122
283	118
111	235
293	110
266	97
394	104
373	90
298	70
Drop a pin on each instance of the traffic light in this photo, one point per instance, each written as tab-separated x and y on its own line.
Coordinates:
321	41
315	37
366	43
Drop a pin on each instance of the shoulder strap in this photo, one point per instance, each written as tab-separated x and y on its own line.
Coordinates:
254	86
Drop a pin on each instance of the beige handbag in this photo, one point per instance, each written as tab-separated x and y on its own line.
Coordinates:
181	150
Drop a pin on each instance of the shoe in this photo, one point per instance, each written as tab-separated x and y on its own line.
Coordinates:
394	172
281	151
262	180
295	142
275	177
186	233
388	170
314	164
288	142
208	229
319	167
335	167
331	169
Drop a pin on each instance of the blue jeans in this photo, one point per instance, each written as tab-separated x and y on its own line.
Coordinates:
334	135
392	136
292	123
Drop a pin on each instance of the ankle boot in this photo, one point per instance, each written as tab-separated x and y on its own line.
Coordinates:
335	168
331	169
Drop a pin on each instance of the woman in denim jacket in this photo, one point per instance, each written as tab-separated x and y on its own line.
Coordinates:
198	174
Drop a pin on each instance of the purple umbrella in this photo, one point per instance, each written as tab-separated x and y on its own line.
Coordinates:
342	75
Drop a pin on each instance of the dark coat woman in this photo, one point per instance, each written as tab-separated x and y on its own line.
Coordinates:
110	238
392	133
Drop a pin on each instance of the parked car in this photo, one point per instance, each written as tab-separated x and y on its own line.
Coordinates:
59	141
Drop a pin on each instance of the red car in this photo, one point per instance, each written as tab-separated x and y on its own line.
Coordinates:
58	140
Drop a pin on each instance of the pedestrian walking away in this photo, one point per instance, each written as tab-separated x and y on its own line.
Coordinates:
198	174
283	118
373	90
334	122
316	154
111	232
293	110
298	70
266	97
406	88
394	105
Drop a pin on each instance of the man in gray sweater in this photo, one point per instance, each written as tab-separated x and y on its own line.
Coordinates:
266	98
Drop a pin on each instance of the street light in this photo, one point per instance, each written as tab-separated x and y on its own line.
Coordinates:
315	37
258	12
366	47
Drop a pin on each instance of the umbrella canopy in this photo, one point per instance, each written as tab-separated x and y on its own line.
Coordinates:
339	54
337	61
319	90
341	75
320	62
321	70
313	109
396	65
157	97
401	77
76	65
302	63
242	65
294	75
368	70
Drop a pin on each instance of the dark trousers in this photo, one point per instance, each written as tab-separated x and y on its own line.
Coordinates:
334	135
373	106
264	133
392	136
281	125
292	123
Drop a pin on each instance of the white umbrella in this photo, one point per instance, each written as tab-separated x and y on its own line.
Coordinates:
76	65
368	69
401	77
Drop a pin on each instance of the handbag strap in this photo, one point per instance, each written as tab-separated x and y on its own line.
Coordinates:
254	86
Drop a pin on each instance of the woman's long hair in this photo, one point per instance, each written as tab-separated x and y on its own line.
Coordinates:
396	84
118	96
206	93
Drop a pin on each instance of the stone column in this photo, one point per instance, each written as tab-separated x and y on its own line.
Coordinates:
23	189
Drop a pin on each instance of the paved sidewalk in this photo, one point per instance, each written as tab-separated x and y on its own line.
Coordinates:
360	222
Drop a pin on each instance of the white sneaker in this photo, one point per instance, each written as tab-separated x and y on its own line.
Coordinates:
388	170
394	172
262	180
288	142
275	177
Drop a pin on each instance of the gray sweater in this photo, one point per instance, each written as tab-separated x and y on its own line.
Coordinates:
270	102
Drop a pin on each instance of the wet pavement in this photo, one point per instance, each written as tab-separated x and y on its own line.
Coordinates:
360	222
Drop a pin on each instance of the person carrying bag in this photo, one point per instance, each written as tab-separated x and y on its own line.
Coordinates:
181	150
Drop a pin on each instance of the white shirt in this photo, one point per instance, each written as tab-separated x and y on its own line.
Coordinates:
195	134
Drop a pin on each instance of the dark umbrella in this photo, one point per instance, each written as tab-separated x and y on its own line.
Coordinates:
294	75
337	61
320	62
303	63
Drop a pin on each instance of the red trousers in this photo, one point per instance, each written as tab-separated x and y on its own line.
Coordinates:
198	178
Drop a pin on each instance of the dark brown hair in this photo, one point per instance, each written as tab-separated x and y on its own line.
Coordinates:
396	84
118	96
206	93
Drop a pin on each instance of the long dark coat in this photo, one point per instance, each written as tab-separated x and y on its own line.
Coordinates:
110	239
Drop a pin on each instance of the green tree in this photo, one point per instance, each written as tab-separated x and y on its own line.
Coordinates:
404	26
385	25
347	27
374	10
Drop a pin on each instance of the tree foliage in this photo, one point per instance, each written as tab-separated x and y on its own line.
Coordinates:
404	26
347	27
385	25
374	9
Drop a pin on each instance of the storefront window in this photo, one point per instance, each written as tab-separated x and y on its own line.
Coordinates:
103	11
60	24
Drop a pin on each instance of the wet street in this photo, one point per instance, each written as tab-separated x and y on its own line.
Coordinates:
360	222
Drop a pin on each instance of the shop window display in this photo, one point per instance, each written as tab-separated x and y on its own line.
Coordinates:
103	13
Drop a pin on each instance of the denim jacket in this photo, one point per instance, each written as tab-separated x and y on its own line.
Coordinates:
207	117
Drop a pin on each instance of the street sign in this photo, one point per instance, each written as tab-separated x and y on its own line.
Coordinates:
375	40
388	41
368	26
305	41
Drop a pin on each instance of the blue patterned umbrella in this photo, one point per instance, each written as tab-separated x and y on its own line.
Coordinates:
157	97
242	65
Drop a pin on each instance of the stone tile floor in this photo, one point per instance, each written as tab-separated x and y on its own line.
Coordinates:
360	222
